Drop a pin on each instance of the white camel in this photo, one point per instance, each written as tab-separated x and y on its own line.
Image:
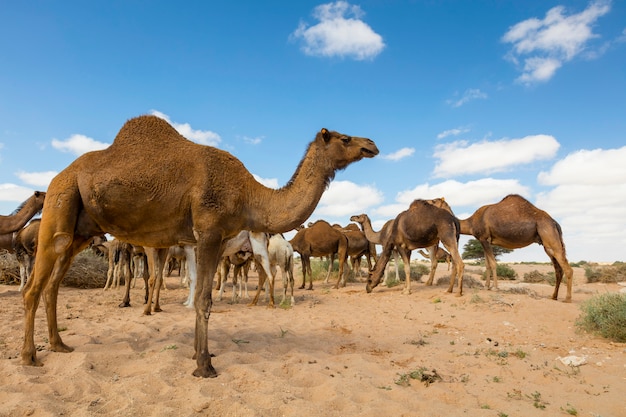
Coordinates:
280	255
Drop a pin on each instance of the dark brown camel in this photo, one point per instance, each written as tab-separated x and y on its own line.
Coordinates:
421	226
358	246
515	223
182	193
22	214
320	239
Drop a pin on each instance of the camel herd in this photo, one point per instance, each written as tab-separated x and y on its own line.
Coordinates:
207	208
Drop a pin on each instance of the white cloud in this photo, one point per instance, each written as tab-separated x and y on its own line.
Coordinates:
203	137
545	45
400	154
468	95
471	194
37	179
345	198
588	200
14	193
78	144
268	182
452	132
588	167
459	158
340	32
253	141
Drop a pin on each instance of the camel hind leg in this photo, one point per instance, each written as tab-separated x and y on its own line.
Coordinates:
432	254
458	267
562	269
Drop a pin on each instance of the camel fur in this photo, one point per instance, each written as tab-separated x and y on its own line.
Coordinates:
182	193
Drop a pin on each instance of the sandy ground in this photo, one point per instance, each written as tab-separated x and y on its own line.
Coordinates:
335	353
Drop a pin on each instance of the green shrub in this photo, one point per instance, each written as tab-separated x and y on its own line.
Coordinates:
605	315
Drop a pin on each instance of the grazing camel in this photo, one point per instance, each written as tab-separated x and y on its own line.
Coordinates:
440	255
377	237
421	226
23	213
515	223
320	239
280	255
183	193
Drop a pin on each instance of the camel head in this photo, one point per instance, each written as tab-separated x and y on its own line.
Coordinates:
359	218
343	149
441	203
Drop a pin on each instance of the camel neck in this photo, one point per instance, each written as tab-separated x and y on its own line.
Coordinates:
282	210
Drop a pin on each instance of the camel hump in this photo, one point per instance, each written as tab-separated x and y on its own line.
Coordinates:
147	129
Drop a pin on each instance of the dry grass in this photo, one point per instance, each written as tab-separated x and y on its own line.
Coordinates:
88	270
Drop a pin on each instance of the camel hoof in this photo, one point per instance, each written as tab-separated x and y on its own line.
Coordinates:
368	289
157	309
124	304
62	348
31	360
205	373
310	288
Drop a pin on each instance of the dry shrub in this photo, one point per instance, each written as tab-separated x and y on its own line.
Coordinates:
534	277
88	270
468	281
9	269
606	274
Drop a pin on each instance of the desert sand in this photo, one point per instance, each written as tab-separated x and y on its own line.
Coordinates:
335	353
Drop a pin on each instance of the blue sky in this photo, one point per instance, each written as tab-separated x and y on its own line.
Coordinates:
467	100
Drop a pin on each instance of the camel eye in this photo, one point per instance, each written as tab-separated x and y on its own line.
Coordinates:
346	139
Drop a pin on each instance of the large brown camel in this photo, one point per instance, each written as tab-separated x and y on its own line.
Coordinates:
515	223
320	239
23	213
377	238
423	225
182	193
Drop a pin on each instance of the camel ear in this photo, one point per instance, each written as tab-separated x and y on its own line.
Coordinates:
325	134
